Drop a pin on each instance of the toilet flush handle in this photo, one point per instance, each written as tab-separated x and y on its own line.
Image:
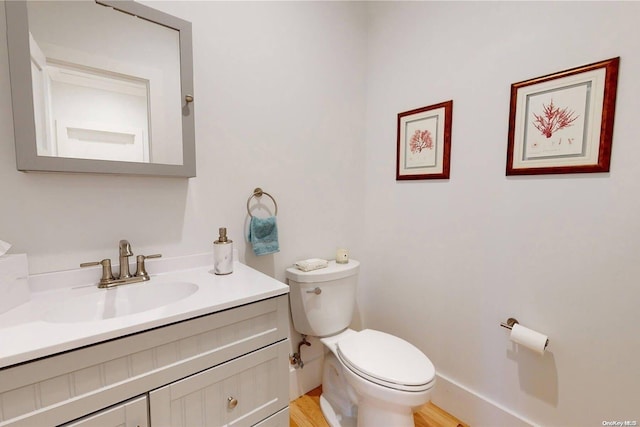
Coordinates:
316	291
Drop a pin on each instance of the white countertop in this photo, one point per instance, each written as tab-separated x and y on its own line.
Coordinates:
25	336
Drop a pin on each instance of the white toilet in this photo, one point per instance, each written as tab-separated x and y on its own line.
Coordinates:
370	378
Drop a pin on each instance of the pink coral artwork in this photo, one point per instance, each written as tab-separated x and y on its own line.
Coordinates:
553	119
421	140
562	123
424	142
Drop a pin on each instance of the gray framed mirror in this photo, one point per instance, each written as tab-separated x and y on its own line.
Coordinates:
101	87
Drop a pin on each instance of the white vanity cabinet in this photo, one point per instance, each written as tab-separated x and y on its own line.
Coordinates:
229	368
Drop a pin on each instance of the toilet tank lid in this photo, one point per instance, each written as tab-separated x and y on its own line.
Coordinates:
333	271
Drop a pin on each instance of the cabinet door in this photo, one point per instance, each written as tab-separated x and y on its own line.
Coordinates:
132	413
238	393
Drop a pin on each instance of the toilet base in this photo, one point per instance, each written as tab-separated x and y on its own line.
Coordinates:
380	406
348	400
338	407
374	414
333	418
368	416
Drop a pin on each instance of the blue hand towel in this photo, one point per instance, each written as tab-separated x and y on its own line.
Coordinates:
263	235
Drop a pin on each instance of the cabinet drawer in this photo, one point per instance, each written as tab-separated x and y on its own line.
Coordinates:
280	419
128	414
241	392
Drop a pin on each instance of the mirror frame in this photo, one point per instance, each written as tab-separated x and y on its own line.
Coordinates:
27	158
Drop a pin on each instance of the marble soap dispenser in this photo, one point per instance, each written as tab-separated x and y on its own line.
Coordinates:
223	253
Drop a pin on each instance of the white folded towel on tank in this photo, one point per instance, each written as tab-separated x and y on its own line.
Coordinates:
311	264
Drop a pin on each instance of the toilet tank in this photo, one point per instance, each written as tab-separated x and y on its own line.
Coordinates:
323	300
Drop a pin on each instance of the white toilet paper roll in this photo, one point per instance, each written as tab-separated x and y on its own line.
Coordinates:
529	338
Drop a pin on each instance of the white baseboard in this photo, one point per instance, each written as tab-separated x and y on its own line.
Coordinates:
302	381
458	400
473	409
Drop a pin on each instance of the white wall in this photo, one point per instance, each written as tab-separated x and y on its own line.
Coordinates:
447	261
278	105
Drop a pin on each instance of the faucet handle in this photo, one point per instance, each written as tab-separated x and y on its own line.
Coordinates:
140	268
107	274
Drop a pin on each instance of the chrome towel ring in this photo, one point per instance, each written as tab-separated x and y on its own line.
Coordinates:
259	193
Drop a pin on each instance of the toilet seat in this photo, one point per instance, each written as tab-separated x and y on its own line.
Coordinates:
386	360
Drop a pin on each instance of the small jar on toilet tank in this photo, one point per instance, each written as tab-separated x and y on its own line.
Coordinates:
342	256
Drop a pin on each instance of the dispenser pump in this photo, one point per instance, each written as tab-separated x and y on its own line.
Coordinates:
223	235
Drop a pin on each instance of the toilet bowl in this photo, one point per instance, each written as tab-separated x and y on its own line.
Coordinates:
370	378
384	380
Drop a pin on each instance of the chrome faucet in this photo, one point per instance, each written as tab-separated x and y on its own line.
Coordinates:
108	280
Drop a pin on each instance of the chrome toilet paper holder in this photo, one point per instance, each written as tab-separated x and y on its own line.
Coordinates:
510	322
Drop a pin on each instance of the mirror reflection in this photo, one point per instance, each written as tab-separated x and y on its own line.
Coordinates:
106	84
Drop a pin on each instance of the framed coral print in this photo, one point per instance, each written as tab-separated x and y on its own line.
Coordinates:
424	142
563	122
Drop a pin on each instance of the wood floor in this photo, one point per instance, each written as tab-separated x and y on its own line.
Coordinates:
305	412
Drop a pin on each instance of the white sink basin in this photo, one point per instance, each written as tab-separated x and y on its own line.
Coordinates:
119	301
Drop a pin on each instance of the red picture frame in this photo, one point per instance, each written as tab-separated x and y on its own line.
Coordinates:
424	142
563	122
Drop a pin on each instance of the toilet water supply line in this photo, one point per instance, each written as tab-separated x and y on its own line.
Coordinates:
296	358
